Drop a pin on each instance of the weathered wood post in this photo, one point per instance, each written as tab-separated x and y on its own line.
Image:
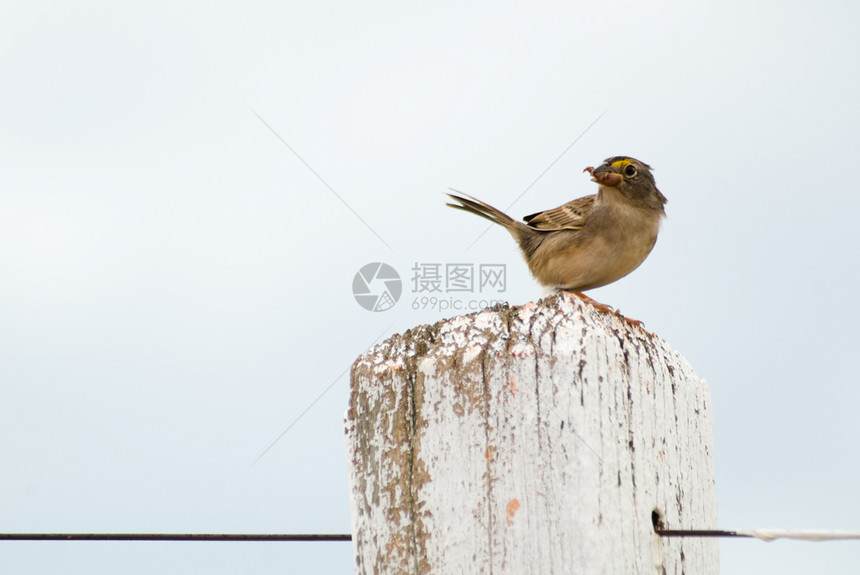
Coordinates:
537	439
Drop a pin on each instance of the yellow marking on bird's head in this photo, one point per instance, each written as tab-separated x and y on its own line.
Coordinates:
621	163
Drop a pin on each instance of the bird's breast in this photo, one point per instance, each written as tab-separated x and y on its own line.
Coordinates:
616	240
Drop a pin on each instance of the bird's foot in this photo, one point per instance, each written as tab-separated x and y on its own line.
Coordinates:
595	304
609	309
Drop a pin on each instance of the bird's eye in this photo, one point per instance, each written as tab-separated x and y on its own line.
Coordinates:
630	170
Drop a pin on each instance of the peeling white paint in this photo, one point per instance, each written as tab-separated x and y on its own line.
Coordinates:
534	440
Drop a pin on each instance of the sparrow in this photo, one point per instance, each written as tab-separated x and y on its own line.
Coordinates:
591	241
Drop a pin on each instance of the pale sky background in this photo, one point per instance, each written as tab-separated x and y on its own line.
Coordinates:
175	284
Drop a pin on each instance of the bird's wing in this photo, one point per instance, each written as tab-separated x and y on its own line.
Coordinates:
570	216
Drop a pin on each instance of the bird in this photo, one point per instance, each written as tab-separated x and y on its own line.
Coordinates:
591	241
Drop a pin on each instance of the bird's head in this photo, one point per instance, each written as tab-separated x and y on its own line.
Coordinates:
630	177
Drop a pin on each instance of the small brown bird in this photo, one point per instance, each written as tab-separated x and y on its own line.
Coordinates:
591	241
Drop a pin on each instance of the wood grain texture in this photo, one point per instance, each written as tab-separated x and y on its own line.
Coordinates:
532	439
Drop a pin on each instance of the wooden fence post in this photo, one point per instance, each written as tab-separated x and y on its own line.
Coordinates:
545	438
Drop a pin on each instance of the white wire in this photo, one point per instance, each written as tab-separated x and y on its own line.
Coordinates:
772	534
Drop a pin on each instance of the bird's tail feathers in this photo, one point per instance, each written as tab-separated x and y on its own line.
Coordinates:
473	205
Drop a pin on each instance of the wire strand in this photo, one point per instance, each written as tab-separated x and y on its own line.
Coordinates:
761	534
172	537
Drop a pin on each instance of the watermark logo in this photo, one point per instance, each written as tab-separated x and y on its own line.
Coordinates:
377	286
438	286
456	277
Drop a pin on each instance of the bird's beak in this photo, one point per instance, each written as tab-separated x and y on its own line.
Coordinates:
605	175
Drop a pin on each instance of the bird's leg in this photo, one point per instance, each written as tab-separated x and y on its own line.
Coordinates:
609	309
595	304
